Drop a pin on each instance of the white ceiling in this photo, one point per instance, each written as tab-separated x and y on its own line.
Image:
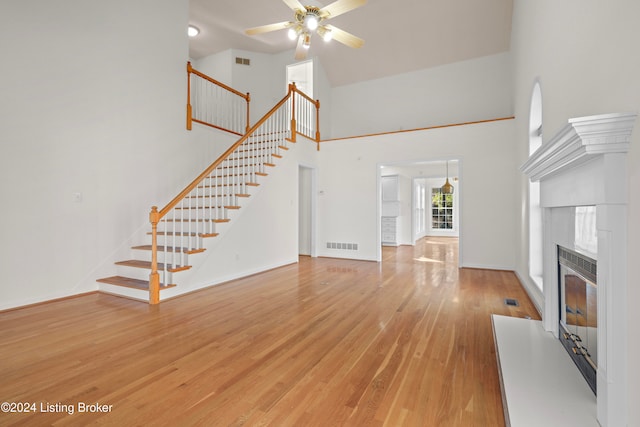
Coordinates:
400	35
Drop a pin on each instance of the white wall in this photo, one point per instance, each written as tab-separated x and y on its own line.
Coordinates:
218	66
591	69
92	102
259	79
348	203
477	89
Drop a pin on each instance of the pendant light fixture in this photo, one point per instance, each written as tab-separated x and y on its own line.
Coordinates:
447	188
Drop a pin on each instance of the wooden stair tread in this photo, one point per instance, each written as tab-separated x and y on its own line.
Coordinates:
195	220
131	283
205	197
192	234
231	188
170	249
147	265
206	235
232	174
208	207
226	185
247	165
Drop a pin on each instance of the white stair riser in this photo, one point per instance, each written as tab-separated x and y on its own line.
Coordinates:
137	294
139	273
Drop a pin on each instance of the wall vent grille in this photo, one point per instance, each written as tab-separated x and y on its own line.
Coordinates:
342	246
243	61
579	263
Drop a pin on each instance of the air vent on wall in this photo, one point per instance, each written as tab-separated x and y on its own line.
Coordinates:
343	246
243	61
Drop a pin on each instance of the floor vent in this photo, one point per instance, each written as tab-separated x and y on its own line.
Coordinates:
343	246
511	302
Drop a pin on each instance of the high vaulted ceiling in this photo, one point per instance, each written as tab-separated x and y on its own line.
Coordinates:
400	35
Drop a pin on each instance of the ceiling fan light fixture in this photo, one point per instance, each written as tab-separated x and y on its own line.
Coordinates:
293	33
193	31
311	21
325	33
306	42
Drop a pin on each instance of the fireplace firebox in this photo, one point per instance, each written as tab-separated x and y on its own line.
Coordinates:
578	310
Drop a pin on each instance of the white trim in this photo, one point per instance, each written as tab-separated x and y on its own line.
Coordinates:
580	140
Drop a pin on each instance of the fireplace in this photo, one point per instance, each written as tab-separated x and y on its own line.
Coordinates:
585	164
578	315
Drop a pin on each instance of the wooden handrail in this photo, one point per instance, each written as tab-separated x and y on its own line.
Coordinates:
368	135
305	96
217	127
220	159
316	104
192	70
191	119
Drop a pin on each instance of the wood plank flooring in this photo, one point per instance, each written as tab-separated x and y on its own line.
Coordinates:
326	342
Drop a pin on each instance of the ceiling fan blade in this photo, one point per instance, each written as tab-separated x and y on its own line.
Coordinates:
295	5
268	28
301	52
339	7
345	37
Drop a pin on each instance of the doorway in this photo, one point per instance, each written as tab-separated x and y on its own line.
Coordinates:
306	211
302	75
424	211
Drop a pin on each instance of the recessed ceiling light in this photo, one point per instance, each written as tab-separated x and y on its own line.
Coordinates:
193	31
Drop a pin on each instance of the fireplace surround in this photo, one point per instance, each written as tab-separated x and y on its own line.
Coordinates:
585	165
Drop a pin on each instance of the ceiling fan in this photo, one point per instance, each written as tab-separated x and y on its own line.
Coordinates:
308	19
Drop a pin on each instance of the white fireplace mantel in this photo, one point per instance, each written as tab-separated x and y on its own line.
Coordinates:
585	164
579	141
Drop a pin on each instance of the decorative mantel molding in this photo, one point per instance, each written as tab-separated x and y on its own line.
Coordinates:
579	141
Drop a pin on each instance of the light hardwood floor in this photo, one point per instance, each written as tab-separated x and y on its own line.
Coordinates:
326	342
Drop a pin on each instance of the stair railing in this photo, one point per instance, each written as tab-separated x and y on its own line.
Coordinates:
307	112
214	104
192	215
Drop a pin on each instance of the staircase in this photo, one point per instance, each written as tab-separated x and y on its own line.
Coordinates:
179	230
